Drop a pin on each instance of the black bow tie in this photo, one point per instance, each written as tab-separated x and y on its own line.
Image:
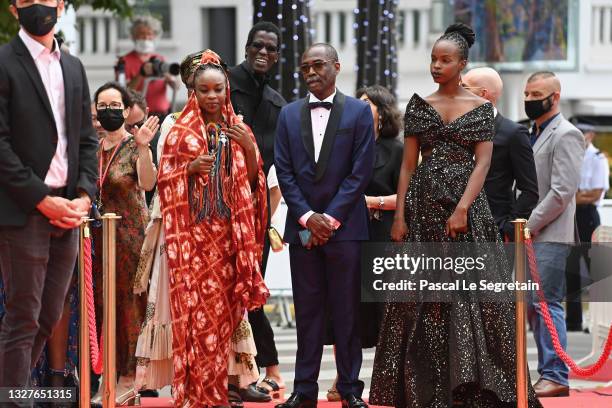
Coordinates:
326	105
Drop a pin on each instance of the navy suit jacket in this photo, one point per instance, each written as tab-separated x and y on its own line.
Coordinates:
335	184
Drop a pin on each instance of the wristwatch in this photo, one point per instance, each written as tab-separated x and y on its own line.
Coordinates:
381	203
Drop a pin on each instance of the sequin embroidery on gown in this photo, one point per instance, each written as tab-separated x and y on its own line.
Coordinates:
446	354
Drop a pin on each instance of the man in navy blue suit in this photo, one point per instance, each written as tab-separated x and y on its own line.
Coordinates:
324	157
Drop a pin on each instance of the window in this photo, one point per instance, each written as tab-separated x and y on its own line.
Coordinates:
401	26
328	28
342	29
416	18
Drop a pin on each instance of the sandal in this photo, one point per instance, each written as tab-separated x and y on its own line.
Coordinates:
333	395
276	392
233	395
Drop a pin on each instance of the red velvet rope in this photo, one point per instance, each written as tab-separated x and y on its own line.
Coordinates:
95	351
579	371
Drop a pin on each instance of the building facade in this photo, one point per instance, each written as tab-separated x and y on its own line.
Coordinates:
223	25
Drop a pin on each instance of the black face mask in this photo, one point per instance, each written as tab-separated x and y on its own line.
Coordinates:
37	19
537	108
110	119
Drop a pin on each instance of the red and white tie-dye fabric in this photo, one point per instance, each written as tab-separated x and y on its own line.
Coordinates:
215	265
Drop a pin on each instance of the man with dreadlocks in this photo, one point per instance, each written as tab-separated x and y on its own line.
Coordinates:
213	200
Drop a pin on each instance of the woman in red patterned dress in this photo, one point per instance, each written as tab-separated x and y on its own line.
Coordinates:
213	200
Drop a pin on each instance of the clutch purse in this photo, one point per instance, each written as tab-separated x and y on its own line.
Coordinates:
276	241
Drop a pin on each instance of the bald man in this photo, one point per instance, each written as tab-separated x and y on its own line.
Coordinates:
558	149
512	161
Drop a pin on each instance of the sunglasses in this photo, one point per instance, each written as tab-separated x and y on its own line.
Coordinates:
132	127
272	49
317	66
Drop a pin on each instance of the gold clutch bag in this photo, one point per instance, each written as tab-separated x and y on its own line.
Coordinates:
276	241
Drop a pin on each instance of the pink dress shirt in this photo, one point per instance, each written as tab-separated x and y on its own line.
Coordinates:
48	65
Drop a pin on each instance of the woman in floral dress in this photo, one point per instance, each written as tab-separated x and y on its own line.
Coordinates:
126	171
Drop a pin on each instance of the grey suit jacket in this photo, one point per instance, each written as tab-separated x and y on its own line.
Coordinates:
558	154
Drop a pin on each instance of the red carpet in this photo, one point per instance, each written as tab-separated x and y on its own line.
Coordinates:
597	398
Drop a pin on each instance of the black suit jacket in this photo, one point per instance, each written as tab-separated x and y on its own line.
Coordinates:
512	162
261	117
28	135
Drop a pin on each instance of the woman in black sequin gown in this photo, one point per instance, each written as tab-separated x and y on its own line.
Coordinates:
459	354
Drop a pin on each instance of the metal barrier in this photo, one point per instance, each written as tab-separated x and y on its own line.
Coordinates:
84	357
524	249
109	227
520	311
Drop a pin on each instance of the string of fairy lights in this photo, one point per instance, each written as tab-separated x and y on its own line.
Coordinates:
374	36
293	19
376	40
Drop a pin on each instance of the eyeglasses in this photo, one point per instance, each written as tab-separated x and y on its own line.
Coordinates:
317	66
270	48
472	88
113	105
132	127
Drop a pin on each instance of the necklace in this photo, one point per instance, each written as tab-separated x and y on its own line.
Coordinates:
104	173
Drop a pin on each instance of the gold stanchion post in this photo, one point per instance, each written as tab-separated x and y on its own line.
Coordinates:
521	340
84	359
109	228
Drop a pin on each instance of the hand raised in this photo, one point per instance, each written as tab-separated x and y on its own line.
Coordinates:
144	134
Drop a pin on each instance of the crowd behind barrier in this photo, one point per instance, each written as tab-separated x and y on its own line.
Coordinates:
329	172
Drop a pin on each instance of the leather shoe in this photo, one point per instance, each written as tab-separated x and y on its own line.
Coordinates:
351	401
252	394
297	400
545	389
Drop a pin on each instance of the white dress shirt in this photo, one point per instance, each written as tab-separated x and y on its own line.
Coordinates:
48	65
595	172
272	179
319	118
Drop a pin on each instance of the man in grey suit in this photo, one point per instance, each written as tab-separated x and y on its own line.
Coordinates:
558	149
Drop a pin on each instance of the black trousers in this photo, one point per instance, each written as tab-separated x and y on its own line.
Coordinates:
267	355
324	277
37	263
587	219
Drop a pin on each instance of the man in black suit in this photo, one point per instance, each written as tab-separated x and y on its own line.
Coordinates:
512	164
260	106
48	173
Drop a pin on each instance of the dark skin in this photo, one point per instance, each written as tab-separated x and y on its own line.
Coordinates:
321	83
210	91
257	55
451	101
